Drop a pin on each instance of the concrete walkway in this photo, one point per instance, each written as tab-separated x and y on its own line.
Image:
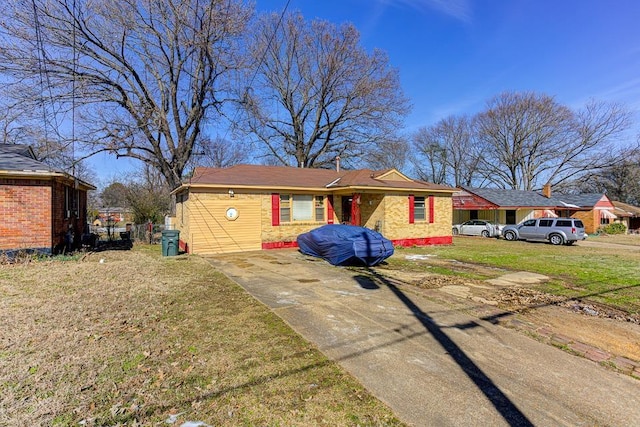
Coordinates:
432	365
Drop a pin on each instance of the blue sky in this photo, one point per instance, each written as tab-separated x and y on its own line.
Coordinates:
454	55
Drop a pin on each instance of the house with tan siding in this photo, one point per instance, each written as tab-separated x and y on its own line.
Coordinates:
43	209
252	207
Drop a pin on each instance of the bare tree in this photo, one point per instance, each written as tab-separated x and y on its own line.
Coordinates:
391	153
220	153
620	181
431	162
20	124
147	195
141	76
114	195
530	139
447	152
318	94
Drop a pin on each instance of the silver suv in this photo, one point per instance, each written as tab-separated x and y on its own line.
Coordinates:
558	231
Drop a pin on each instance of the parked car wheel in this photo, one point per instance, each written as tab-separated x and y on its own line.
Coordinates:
485	233
455	231
556	239
510	235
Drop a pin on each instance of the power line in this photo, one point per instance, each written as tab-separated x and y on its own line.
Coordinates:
273	36
44	75
262	59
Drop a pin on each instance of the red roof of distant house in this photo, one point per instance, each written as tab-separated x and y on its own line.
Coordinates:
306	178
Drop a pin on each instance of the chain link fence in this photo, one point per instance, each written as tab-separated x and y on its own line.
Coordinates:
140	233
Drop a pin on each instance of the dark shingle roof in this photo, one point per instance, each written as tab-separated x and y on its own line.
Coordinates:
514	198
506	198
20	158
583	200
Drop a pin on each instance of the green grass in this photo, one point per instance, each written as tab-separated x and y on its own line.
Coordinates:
609	276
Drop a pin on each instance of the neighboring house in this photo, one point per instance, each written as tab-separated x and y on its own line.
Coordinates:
116	215
42	208
594	209
507	206
249	207
500	205
627	214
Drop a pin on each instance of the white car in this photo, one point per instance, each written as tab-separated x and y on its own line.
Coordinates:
477	227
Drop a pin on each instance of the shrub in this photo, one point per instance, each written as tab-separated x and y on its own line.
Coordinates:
614	228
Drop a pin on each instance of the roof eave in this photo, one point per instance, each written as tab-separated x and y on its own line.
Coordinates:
353	188
45	175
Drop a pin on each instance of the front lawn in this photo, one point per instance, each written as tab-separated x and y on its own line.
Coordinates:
131	338
606	275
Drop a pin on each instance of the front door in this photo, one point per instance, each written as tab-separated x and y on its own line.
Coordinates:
346	209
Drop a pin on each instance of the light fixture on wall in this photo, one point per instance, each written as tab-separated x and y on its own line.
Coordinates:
231	193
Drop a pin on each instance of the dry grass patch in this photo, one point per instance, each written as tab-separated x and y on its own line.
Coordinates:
131	338
620	239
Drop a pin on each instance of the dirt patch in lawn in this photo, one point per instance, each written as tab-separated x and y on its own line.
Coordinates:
505	296
131	338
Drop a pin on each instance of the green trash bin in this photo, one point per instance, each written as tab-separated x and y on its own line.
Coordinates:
170	242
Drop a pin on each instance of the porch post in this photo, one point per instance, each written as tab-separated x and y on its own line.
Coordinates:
355	209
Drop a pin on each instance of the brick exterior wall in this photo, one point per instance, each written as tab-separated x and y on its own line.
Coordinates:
25	209
590	219
181	220
396	213
285	232
61	222
34	216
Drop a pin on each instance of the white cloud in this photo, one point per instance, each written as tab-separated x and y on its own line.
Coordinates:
458	9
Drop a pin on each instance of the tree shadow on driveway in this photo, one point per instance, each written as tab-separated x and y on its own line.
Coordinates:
505	407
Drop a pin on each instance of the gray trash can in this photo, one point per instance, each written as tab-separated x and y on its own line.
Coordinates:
170	242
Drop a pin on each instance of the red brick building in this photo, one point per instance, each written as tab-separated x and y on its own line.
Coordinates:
41	208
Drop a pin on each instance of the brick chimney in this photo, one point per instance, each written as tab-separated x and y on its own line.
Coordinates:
546	191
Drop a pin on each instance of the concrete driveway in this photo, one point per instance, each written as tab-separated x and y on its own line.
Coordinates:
431	364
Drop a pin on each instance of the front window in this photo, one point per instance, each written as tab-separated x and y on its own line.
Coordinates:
285	207
301	207
419	212
319	208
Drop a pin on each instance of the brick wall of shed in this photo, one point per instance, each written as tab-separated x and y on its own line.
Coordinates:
25	214
590	219
181	220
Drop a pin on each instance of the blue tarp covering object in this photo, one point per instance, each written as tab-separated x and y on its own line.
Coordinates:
346	245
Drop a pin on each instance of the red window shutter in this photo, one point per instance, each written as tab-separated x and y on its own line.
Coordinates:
329	209
412	207
275	209
431	211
